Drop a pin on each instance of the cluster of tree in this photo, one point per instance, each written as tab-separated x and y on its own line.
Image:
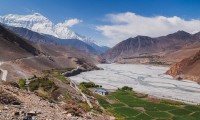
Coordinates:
90	85
127	88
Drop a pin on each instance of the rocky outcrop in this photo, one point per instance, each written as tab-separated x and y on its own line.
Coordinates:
187	68
174	70
83	67
74	72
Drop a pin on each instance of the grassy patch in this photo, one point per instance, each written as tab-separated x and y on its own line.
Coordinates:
184	118
180	112
158	114
196	115
85	105
84	89
22	83
60	71
103	103
57	73
192	108
40	92
159	107
171	102
126	111
117	105
44	87
143	116
44	83
60	77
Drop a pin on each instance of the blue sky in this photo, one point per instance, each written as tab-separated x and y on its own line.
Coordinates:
94	13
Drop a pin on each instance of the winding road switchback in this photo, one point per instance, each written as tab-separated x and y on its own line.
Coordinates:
4	73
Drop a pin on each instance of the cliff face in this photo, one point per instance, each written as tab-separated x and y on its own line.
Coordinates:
188	68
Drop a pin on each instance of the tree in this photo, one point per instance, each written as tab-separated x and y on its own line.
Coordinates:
127	88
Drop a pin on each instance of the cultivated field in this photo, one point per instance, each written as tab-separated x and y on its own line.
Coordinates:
132	106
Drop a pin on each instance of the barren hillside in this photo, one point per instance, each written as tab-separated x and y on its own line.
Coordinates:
23	59
187	68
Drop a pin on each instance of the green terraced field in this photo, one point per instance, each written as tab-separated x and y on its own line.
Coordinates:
127	105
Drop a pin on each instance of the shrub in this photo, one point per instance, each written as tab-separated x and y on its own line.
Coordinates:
89	84
127	88
61	77
84	89
85	105
45	83
22	83
34	85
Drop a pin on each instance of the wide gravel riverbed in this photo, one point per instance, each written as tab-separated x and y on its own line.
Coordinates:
146	79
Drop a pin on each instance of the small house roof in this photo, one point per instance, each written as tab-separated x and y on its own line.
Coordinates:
101	90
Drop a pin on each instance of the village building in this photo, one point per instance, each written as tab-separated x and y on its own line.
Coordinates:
101	92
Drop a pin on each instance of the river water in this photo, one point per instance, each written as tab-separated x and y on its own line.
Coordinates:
146	79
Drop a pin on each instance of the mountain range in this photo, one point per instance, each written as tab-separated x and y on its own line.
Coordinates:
38	23
49	39
38	28
170	48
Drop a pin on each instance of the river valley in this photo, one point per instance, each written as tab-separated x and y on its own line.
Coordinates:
146	79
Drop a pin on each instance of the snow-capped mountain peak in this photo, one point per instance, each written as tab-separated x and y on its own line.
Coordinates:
39	23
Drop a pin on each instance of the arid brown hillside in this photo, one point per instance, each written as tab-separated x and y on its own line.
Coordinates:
146	49
188	68
23	58
13	46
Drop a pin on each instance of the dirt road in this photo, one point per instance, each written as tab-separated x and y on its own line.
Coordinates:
4	73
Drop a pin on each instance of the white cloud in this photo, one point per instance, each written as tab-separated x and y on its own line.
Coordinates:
125	25
70	22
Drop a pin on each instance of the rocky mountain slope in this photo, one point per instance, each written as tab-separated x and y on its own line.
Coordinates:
152	49
23	58
13	47
187	68
49	39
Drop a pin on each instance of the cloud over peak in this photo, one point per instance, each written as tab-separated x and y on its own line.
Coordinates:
70	22
125	25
